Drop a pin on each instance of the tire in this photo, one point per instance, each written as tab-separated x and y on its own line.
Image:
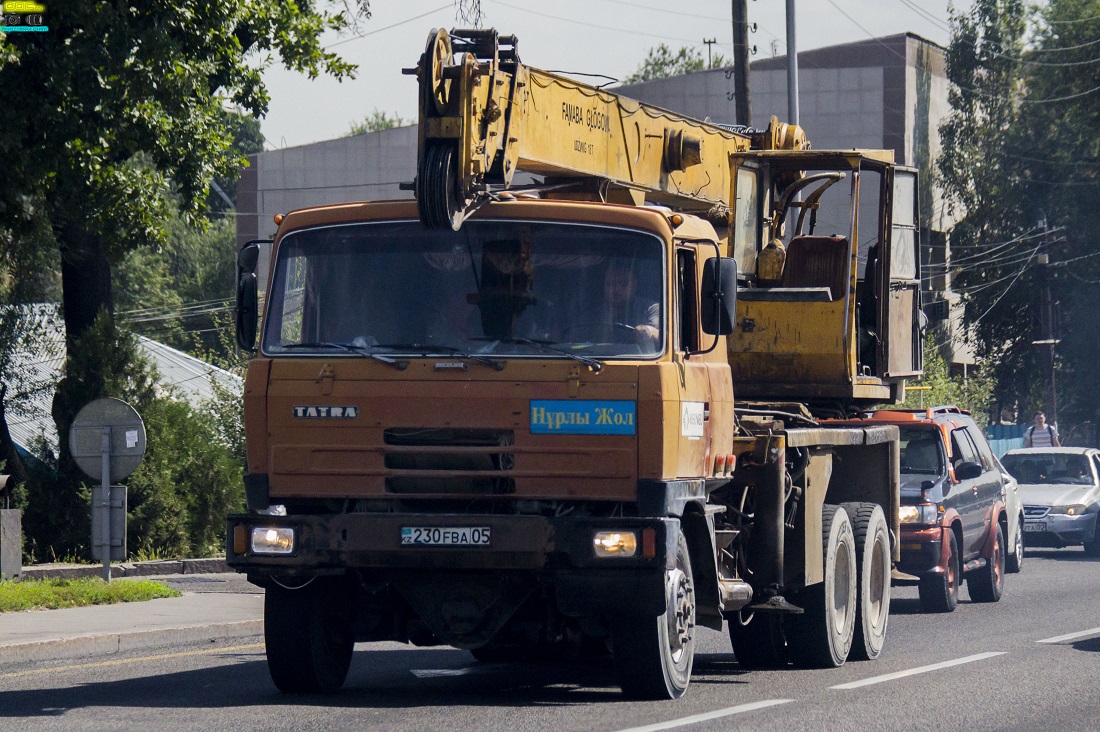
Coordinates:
939	593
873	564
653	656
308	637
1015	559
987	583
822	636
1092	548
758	641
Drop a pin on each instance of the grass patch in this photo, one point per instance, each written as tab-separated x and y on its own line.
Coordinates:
50	594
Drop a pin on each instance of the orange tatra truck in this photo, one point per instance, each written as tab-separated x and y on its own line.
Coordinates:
583	408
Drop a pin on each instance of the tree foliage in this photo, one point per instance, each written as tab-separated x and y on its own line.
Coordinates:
1021	166
972	392
662	62
375	121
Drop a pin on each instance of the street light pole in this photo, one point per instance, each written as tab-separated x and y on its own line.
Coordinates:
792	67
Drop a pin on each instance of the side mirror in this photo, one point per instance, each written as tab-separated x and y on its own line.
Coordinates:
248	298
718	309
968	470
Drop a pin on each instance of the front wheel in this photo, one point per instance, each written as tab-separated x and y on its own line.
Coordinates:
987	584
1016	553
308	635
653	656
939	593
822	636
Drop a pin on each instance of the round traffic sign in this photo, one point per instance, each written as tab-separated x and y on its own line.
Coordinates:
123	429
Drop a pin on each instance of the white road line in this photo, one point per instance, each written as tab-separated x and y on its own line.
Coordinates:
920	670
696	718
1070	636
437	673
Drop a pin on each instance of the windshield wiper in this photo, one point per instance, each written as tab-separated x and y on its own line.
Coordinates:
422	349
351	348
592	363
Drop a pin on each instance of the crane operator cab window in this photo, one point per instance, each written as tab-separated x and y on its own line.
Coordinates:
506	288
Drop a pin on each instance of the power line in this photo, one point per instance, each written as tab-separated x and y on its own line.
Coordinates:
361	36
662	36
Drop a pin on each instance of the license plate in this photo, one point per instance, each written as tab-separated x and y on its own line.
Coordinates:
445	535
1038	526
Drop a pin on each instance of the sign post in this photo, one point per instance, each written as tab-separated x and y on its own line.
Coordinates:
107	441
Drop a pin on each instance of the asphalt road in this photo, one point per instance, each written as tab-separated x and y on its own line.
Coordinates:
984	667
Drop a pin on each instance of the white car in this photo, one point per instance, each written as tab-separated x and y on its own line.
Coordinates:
1060	490
1014	511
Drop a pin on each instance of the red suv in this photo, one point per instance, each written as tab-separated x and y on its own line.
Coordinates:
953	518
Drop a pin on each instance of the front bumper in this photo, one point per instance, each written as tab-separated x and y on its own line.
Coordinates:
1058	530
921	550
558	551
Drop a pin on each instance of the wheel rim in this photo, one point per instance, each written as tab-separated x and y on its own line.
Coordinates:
842	577
1019	549
877	601
998	559
680	614
952	573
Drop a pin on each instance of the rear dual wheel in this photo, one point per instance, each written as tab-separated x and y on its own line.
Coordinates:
822	636
873	561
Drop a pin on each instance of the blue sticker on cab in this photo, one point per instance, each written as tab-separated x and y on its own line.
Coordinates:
583	417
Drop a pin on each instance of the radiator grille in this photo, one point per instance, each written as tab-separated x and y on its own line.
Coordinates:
449	461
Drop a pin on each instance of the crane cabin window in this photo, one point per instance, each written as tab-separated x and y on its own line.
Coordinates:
504	288
746	219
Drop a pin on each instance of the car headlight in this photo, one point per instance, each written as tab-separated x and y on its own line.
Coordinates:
922	513
1075	509
272	540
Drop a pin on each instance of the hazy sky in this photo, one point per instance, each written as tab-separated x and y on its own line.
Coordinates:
592	36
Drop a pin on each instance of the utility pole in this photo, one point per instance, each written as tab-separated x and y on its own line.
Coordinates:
1046	317
710	42
792	67
742	107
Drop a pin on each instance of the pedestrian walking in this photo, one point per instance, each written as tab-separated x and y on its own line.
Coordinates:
1041	434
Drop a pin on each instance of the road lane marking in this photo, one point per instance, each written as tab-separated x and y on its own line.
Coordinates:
437	673
919	670
121	661
697	718
1070	636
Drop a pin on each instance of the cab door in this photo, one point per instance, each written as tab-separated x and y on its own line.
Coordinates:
900	288
694	372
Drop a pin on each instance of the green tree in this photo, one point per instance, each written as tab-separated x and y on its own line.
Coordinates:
126	110
662	62
937	386
1020	164
375	121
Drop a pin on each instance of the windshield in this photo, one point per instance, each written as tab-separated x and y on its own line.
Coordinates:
920	451
505	288
1049	468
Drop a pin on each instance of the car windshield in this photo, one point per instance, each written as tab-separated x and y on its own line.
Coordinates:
503	288
920	451
1036	468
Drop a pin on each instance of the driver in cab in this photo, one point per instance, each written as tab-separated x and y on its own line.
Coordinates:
624	307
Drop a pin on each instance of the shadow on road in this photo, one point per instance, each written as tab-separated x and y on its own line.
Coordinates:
1066	554
1088	644
378	679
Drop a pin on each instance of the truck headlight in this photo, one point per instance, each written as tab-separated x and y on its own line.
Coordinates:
272	540
922	513
1075	509
615	543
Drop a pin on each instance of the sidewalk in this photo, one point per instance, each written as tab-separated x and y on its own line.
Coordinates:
214	606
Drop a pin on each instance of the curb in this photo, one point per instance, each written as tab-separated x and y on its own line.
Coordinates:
129	569
105	643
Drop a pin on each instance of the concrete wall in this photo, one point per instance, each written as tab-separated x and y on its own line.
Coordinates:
366	167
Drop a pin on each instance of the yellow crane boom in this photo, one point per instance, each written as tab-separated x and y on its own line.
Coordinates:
484	115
